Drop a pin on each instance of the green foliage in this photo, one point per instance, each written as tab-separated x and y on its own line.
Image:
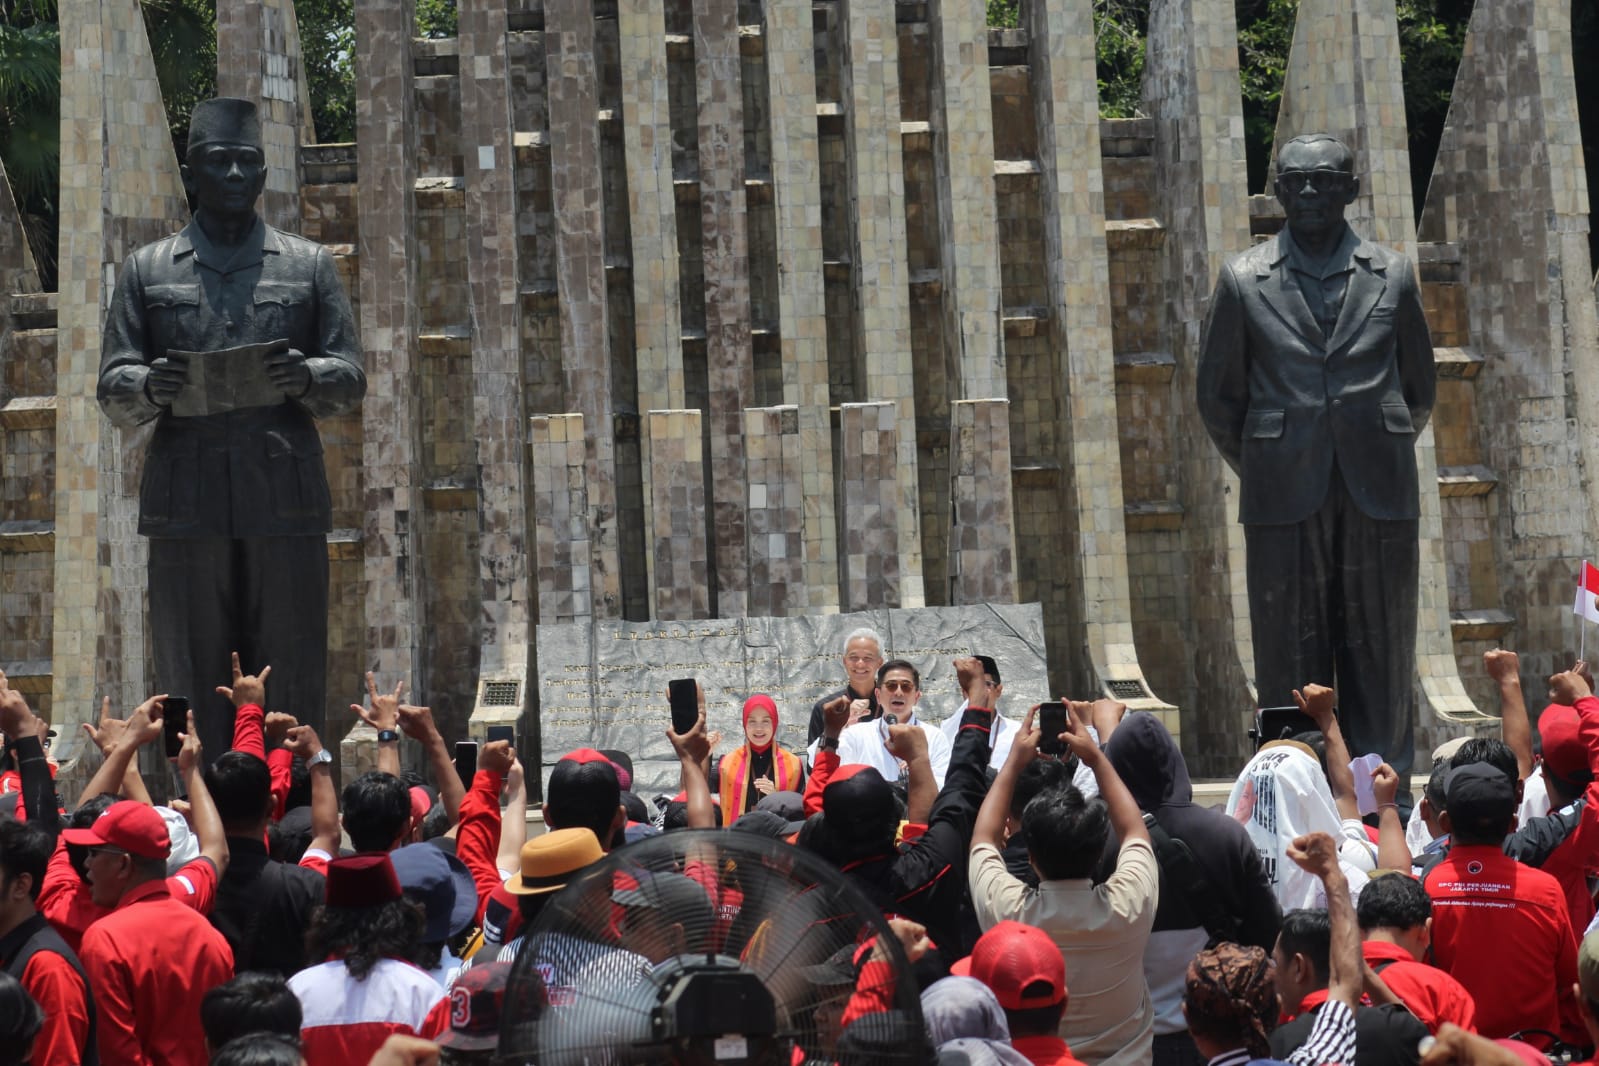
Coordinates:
435	18
183	42
30	120
1119	30
1004	14
1265	35
327	44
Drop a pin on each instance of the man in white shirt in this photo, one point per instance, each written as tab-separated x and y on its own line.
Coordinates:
899	689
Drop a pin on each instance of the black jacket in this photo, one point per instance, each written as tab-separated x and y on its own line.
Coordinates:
263	908
926	880
1149	762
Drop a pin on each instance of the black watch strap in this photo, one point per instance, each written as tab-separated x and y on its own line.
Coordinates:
827	744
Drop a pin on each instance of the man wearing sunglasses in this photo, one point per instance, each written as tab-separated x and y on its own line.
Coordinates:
1315	378
152	959
899	689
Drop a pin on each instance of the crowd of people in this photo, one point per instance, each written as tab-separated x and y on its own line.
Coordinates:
1048	897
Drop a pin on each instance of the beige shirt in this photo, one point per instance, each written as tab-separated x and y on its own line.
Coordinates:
1101	930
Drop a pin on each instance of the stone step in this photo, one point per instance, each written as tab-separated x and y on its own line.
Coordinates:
1134	234
27	536
344	544
1473	480
1145	516
1023	321
1480	624
31	677
28	412
33	310
1461	363
1145	368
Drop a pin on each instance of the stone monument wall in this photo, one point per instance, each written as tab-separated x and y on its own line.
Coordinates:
685	312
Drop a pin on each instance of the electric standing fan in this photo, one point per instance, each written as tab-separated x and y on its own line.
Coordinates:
713	947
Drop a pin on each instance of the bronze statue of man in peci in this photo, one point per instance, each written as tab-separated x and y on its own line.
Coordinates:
233	337
1315	378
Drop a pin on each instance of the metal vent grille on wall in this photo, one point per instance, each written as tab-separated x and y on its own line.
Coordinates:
501	693
1126	690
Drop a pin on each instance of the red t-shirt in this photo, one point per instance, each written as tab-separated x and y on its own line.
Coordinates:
1426	991
1504	932
1571	860
66	901
55	986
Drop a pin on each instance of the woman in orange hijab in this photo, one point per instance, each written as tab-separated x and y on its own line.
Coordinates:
759	766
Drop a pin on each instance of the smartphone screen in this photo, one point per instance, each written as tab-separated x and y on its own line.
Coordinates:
174	722
1280	723
1051	724
466	761
501	732
685	704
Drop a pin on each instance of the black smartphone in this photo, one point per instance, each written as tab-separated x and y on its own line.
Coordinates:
501	732
1281	723
466	761
683	695
174	723
1051	724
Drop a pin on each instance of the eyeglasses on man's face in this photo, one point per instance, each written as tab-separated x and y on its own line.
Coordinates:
899	684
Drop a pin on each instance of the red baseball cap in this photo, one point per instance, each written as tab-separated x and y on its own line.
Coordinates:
137	828
1020	963
1564	754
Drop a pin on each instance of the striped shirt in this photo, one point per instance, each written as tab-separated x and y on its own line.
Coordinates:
1331	1041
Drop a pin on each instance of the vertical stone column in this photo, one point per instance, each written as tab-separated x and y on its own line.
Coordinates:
963	137
982	538
111	109
730	369
868	455
493	273
571	72
1066	106
869	82
776	459
1202	195
1344	78
1509	190
558	465
386	152
677	536
259	58
652	224
801	296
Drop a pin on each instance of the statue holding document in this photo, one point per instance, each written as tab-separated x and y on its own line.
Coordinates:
232	337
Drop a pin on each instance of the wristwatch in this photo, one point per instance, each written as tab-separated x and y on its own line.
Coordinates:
827	744
323	756
387	736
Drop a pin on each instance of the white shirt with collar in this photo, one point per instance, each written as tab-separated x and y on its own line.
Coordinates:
863	743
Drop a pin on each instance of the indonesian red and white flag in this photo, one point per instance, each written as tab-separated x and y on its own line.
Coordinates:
1587	602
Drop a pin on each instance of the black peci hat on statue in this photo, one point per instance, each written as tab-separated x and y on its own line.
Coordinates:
224	120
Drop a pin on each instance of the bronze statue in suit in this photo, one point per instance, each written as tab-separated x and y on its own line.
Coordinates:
234	496
1315	377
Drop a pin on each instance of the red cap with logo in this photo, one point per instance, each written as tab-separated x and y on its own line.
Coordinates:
1020	963
137	828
